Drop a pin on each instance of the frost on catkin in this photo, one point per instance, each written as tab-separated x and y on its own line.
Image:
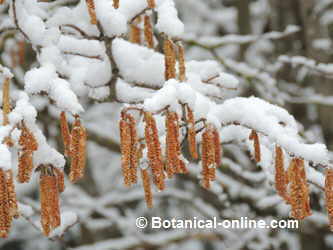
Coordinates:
170	60
148	32
181	63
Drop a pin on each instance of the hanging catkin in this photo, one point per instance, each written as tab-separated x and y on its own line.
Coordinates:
65	133
116	4
154	150
28	144
280	174
5	218
135	31
134	143
13	209
6	108
329	195
5	101
172	144
208	156
299	195
147	187
151	4
60	179
148	32
217	147
91	11
125	148
78	151
191	134
170	60
256	144
181	63
49	199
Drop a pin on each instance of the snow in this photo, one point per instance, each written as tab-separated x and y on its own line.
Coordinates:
68	219
168	21
5	158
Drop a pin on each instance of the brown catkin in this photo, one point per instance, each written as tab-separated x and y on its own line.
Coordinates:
299	195
173	152
60	179
91	11
154	150
181	63
135	34
147	187
125	148
5	218
329	195
191	134
13	208
25	166
217	147
256	144
27	139
49	198
2	1
116	4
65	133
5	101
280	174
148	32
170	60
78	151
134	143
151	4
208	156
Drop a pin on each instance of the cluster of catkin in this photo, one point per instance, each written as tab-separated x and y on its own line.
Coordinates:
51	183
292	185
8	203
74	146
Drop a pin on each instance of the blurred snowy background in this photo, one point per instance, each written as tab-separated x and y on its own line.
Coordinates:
281	52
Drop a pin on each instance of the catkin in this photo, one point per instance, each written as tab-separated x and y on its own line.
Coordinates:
208	156
5	218
49	198
135	33
170	60
116	4
173	152
147	188
125	148
91	11
13	208
299	195
181	63
217	147
28	144
148	32
151	4
65	133
60	179
154	150
256	144
280	174
191	134
329	195
78	151
5	101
